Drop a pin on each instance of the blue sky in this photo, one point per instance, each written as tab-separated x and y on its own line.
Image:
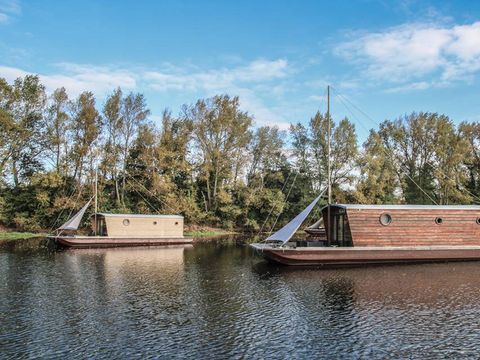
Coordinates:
388	58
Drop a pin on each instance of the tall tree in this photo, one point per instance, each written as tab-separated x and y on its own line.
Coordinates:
266	151
112	114
134	113
470	132
378	180
24	123
220	129
58	128
87	125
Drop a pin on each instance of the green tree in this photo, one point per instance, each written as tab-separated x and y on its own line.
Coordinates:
58	129
220	129
87	125
24	126
134	113
112	114
378	180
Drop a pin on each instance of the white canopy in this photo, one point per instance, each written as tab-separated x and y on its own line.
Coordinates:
286	232
74	222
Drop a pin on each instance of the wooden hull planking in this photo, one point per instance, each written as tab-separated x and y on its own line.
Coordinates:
367	255
103	241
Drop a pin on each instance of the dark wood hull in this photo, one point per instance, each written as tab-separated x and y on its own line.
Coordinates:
105	241
329	256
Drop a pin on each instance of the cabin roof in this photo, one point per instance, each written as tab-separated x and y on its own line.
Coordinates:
141	216
413	207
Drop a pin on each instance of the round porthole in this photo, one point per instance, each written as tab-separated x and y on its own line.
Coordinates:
126	222
154	223
385	219
176	222
478	221
438	221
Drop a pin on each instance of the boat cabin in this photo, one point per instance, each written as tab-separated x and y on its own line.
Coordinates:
401	225
134	225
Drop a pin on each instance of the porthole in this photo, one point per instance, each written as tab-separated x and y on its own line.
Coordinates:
385	219
176	222
478	221
154	223
438	221
126	222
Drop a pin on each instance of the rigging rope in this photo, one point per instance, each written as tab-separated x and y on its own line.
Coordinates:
148	203
273	206
286	199
376	123
65	206
386	152
151	193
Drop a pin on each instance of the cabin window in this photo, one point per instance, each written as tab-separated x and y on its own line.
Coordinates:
438	221
176	222
385	219
478	221
126	222
154	223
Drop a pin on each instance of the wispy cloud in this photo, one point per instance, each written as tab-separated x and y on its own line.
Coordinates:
252	82
77	78
8	9
423	55
186	79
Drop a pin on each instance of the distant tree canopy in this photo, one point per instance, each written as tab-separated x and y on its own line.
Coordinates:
210	163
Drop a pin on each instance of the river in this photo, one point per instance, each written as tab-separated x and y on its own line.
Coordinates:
218	300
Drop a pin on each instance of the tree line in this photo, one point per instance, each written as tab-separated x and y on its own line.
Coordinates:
210	163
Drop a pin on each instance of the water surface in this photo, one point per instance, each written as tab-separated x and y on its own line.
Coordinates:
219	301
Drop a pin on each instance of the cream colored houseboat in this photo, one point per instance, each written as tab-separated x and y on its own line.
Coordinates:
112	230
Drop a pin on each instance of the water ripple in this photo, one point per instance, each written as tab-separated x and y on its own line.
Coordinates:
220	302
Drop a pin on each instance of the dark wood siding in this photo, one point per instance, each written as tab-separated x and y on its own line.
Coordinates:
414	227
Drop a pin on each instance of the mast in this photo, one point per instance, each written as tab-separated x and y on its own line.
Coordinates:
328	146
96	198
329	165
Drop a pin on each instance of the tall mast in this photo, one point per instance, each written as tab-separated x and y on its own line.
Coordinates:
328	146
329	229
96	196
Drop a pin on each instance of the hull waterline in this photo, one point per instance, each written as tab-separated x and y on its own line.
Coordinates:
330	256
103	241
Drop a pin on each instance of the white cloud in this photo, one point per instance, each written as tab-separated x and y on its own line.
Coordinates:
77	78
243	81
180	79
8	8
239	81
417	52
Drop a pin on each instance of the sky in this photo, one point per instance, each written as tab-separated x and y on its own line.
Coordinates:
383	59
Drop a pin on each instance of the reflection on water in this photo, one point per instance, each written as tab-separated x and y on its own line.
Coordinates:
220	301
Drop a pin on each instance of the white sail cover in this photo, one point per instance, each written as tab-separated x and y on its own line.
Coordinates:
74	222
316	225
286	232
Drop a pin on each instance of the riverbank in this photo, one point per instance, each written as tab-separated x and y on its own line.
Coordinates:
16	235
202	232
26	241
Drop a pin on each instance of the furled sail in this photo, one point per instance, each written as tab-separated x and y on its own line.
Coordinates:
74	222
286	232
316	225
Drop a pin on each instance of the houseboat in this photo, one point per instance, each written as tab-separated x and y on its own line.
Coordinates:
350	234
114	230
380	234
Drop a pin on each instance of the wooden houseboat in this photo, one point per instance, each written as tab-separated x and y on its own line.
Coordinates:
378	234
114	230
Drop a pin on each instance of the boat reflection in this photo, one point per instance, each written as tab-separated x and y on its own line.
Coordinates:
123	262
397	285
